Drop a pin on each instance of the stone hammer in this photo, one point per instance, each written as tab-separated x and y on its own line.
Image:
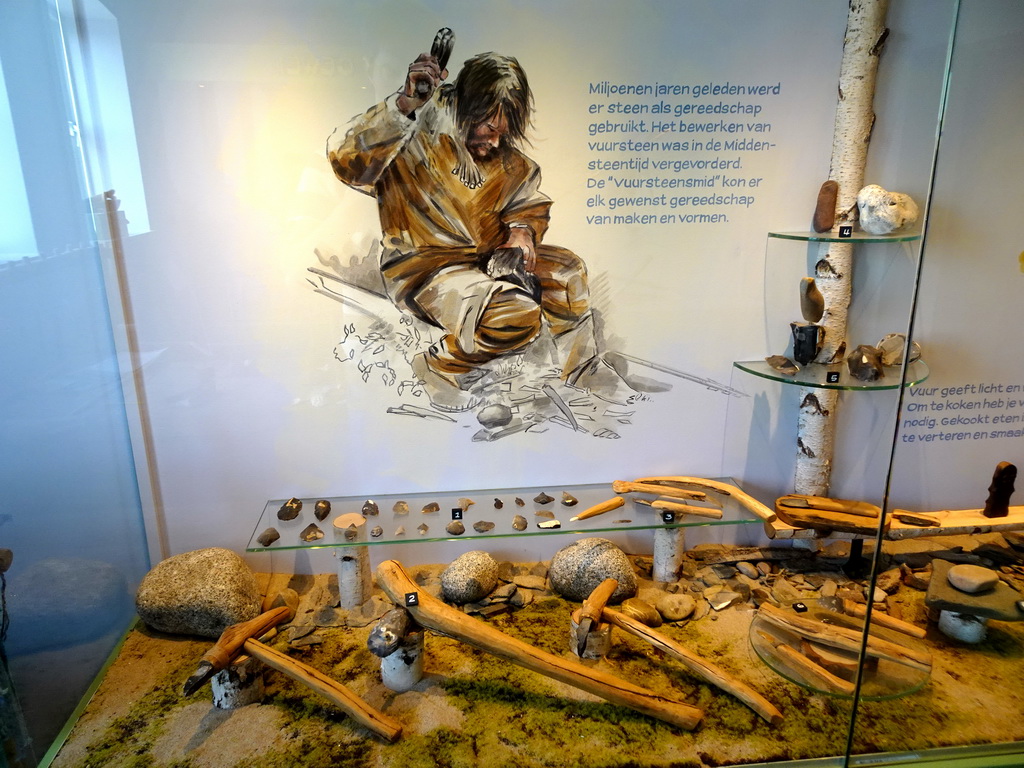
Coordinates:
242	637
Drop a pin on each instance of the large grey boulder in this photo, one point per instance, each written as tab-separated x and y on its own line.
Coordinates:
470	577
578	568
198	593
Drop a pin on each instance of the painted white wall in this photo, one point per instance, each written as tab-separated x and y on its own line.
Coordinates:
231	109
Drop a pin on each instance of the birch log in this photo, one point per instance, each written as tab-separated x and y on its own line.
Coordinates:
865	35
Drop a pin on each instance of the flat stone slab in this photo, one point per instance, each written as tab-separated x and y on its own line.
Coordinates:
999	604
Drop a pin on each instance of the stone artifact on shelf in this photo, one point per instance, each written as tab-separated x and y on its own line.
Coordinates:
543	498
881	212
311	532
268	537
998	502
401	508
370	508
498	503
519	523
825	207
483	526
322	509
812	303
290	509
893	348
430	508
549	524
865	363
783	365
376	532
806	341
568	500
455	528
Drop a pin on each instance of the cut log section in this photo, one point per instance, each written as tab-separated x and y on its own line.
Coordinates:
844	638
433	614
700	667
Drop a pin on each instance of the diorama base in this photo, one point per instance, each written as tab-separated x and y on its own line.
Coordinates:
473	709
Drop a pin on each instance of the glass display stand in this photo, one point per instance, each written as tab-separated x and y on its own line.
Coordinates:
882	679
837	376
633	515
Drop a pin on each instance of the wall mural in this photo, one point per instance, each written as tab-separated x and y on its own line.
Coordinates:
465	309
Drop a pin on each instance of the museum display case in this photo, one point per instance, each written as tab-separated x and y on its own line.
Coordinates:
203	360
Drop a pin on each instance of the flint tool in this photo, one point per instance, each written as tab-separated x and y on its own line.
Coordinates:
440	49
599	509
240	637
590	613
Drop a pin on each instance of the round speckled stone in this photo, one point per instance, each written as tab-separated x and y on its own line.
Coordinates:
469	578
578	568
198	593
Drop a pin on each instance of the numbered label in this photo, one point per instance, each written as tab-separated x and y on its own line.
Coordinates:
456	513
832	377
799	607
668	517
846	230
412	598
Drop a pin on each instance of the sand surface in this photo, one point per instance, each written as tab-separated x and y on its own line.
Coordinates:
473	709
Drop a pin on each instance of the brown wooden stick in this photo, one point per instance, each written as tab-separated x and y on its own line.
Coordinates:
747	501
884	619
624	486
700	667
841	637
229	644
684	509
814	673
599	509
436	615
331	690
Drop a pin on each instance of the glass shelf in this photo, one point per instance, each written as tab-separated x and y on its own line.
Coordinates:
883	679
856	237
630	517
814	375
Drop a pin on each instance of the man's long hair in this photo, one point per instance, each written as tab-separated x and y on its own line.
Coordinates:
490	82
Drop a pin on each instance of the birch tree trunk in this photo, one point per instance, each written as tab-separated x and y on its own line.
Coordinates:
862	46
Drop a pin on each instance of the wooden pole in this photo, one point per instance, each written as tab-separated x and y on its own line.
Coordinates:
700	667
833	272
433	614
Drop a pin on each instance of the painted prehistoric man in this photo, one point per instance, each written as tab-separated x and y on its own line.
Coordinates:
452	189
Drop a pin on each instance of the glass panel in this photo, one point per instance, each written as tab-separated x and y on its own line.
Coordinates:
956	429
71	512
